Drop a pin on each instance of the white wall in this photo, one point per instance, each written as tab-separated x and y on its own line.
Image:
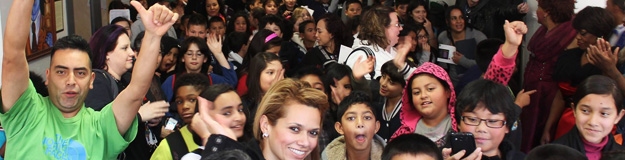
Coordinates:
40	65
581	4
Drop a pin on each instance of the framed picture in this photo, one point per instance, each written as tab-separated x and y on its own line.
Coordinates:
42	29
58	8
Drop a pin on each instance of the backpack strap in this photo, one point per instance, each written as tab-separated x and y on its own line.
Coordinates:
210	80
329	58
177	145
112	82
173	81
368	52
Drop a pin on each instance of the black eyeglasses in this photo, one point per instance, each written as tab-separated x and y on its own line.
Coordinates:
491	123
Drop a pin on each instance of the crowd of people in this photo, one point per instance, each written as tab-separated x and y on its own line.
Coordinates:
322	79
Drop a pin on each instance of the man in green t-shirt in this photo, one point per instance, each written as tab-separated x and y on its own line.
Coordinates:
59	126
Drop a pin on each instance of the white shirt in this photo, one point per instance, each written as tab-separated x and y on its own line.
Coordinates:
381	56
235	57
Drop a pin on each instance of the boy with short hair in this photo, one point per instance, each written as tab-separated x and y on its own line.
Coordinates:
353	8
401	7
187	88
358	126
411	146
197	26
273	23
217	26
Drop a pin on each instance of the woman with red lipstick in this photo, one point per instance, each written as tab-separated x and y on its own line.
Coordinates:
429	97
598	106
286	126
573	66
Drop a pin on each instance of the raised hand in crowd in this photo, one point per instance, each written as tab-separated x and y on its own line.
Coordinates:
402	52
604	58
215	44
212	126
338	94
152	110
157	20
161	18
199	126
514	37
362	68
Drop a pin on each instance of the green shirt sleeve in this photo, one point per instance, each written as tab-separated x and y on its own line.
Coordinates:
27	111
116	143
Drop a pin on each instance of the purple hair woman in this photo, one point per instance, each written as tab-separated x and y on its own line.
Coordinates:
111	56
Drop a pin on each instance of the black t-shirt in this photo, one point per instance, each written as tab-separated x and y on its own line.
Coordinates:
102	92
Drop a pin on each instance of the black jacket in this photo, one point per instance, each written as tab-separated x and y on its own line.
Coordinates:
219	143
489	15
317	57
573	139
508	151
387	128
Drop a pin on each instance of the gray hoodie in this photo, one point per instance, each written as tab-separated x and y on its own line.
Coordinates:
336	149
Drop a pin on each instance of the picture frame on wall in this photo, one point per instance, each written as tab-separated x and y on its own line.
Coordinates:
42	29
58	12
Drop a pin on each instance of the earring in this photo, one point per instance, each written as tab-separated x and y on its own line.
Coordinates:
265	135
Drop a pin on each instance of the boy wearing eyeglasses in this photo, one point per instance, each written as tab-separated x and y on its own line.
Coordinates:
487	110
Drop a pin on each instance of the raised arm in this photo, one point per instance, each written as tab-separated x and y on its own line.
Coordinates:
157	21
14	65
514	37
400	59
214	43
606	59
502	66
